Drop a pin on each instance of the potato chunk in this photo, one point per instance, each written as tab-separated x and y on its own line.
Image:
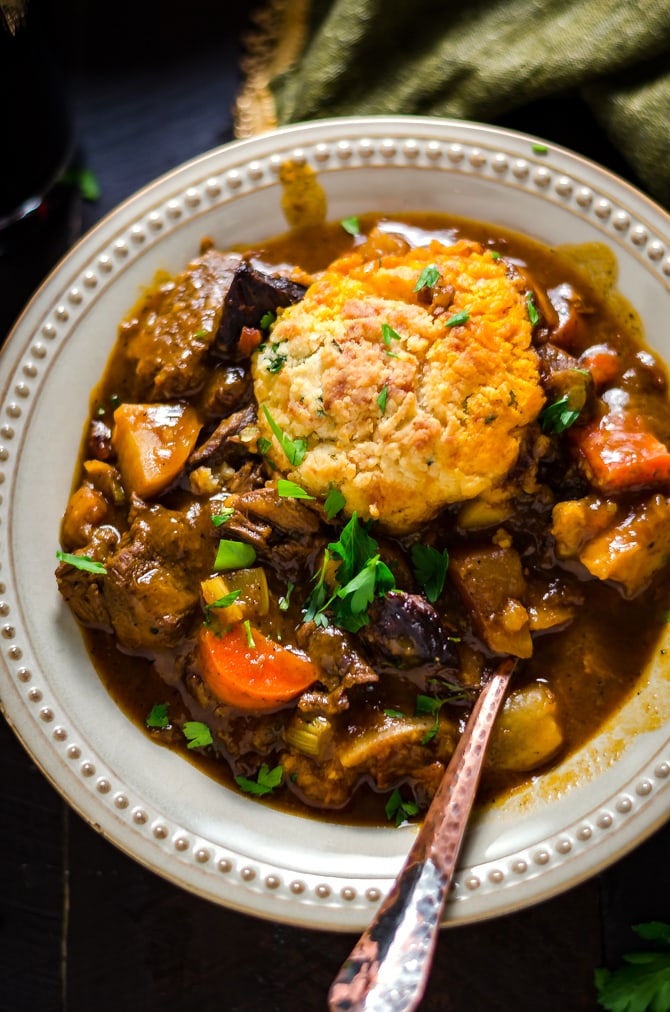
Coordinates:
153	442
527	732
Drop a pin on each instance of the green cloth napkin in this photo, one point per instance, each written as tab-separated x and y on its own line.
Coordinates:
482	60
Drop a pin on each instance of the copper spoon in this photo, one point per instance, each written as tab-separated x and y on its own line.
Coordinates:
388	968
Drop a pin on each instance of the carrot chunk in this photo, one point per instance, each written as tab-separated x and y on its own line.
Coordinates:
603	363
619	455
247	670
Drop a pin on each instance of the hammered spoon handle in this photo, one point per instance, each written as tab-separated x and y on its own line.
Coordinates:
388	967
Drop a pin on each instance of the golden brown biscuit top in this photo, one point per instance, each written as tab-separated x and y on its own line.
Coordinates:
408	395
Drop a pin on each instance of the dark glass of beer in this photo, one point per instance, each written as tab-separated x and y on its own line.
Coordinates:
36	127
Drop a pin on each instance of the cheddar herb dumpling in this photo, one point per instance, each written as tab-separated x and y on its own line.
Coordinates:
409	378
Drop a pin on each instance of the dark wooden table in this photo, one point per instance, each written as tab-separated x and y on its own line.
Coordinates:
83	927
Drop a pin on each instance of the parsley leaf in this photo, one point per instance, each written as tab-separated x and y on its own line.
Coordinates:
198	734
218	519
388	335
355	547
274	360
360	576
533	314
642	983
558	417
234	555
381	400
285	600
318	598
428	705
291	490
540	149
335	502
400	811
458	318
81	562
430	569
266	780
295	449
351	225
158	716
267	319
428	277
222	602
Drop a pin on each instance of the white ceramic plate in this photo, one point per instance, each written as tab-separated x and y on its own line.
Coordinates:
154	805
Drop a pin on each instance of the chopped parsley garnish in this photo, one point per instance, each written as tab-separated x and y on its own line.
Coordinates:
295	449
533	314
388	335
394	713
430	569
383	397
85	181
559	416
458	318
201	333
285	599
218	519
81	562
351	225
335	502
318	599
274	360
360	576
197	733
399	811
429	706
264	445
234	555
266	780
642	983
291	490
428	277
251	642
222	602
267	319
540	149
158	716
495	255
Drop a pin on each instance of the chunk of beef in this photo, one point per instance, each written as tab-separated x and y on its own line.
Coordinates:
84	591
491	583
406	630
227	388
224	443
563	377
288	535
256	289
340	664
292	516
153	580
166	342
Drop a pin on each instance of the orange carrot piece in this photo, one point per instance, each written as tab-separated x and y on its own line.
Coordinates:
250	338
251	672
620	456
603	363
